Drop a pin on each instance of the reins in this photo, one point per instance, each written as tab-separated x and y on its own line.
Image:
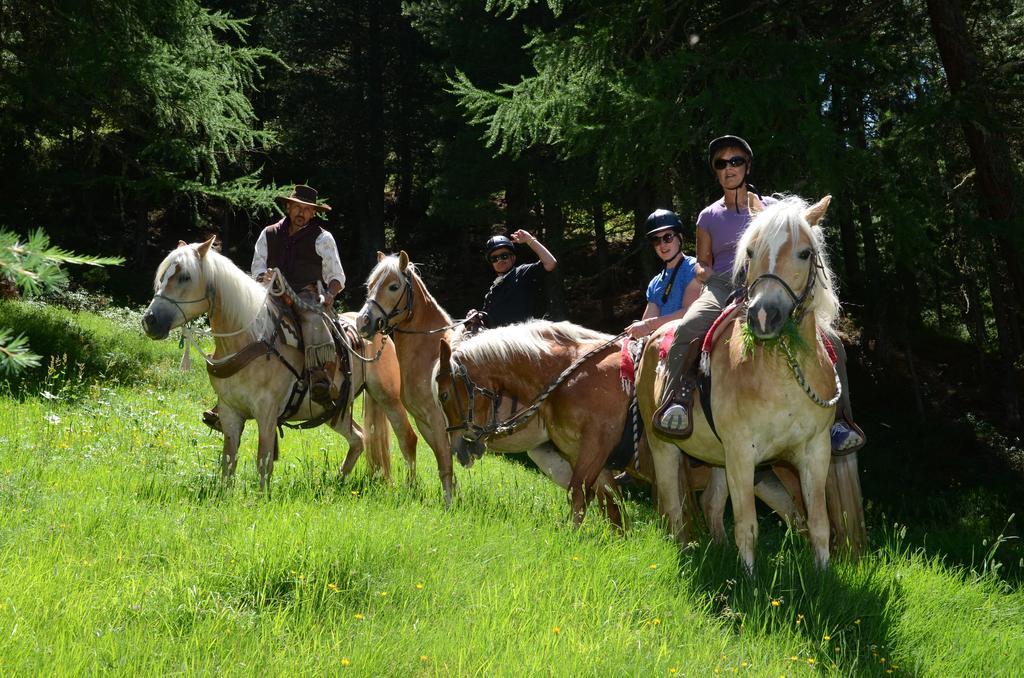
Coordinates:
518	419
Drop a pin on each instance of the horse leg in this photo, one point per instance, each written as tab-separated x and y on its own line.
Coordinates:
265	454
667	458
354	435
232	424
383	384
741	491
437	439
712	502
813	470
770	489
554	466
608	497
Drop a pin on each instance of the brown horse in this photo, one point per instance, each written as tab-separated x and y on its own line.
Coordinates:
417	324
769	405
195	279
496	373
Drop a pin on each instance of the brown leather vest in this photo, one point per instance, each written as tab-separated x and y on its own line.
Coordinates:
295	255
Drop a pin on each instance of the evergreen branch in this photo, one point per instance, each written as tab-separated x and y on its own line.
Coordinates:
15	354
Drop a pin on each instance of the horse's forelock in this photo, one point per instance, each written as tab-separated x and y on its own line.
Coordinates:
781	222
388	264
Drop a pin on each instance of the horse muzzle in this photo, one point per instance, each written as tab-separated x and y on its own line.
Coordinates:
467	451
767	318
367	325
155	326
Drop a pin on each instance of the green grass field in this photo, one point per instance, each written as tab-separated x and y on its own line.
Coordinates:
124	554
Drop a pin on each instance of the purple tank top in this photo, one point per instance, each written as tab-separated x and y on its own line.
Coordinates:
725	226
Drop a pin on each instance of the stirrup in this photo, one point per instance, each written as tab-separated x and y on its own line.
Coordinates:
674	419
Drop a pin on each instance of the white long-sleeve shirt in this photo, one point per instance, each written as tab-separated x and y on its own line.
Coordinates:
326	247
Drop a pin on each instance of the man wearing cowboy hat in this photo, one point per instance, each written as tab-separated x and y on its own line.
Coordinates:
306	255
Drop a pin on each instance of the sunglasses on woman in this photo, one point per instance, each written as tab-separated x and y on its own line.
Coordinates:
500	257
659	239
734	161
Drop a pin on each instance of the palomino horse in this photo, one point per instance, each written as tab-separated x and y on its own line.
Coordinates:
416	323
495	375
762	413
195	279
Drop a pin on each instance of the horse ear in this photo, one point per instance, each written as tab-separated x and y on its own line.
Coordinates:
205	247
445	358
182	243
403	260
754	204
816	212
380	255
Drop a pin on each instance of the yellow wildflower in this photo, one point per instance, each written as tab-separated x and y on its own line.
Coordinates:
359	615
673	669
556	630
826	637
776	602
656	621
424	657
654	566
345	661
334	587
419	586
811	661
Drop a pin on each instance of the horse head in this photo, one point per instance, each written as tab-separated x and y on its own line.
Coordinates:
781	255
182	291
389	295
456	394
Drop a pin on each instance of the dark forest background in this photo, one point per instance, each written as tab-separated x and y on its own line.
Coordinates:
128	124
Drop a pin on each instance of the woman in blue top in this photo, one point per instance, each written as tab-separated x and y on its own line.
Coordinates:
672	291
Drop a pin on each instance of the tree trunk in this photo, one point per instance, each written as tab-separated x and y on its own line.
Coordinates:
995	177
601	250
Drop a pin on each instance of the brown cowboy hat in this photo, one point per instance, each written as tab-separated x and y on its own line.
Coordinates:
304	195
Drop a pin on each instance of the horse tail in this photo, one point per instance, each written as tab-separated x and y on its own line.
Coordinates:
377	438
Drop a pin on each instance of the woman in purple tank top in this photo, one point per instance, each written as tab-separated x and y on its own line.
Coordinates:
719	227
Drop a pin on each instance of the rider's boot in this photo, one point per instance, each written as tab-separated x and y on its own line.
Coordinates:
320	386
847	437
674	416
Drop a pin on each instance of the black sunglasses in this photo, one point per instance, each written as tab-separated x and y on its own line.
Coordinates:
734	161
500	257
659	239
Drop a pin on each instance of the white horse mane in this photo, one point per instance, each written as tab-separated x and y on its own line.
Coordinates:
239	296
524	341
769	230
390	264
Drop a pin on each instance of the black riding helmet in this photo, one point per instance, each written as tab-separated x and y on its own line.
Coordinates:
729	140
659	220
498	242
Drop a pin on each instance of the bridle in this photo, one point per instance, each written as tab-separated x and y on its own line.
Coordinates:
473	431
384	325
208	297
800	303
800	306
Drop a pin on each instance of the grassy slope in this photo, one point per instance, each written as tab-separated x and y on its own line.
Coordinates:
122	554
